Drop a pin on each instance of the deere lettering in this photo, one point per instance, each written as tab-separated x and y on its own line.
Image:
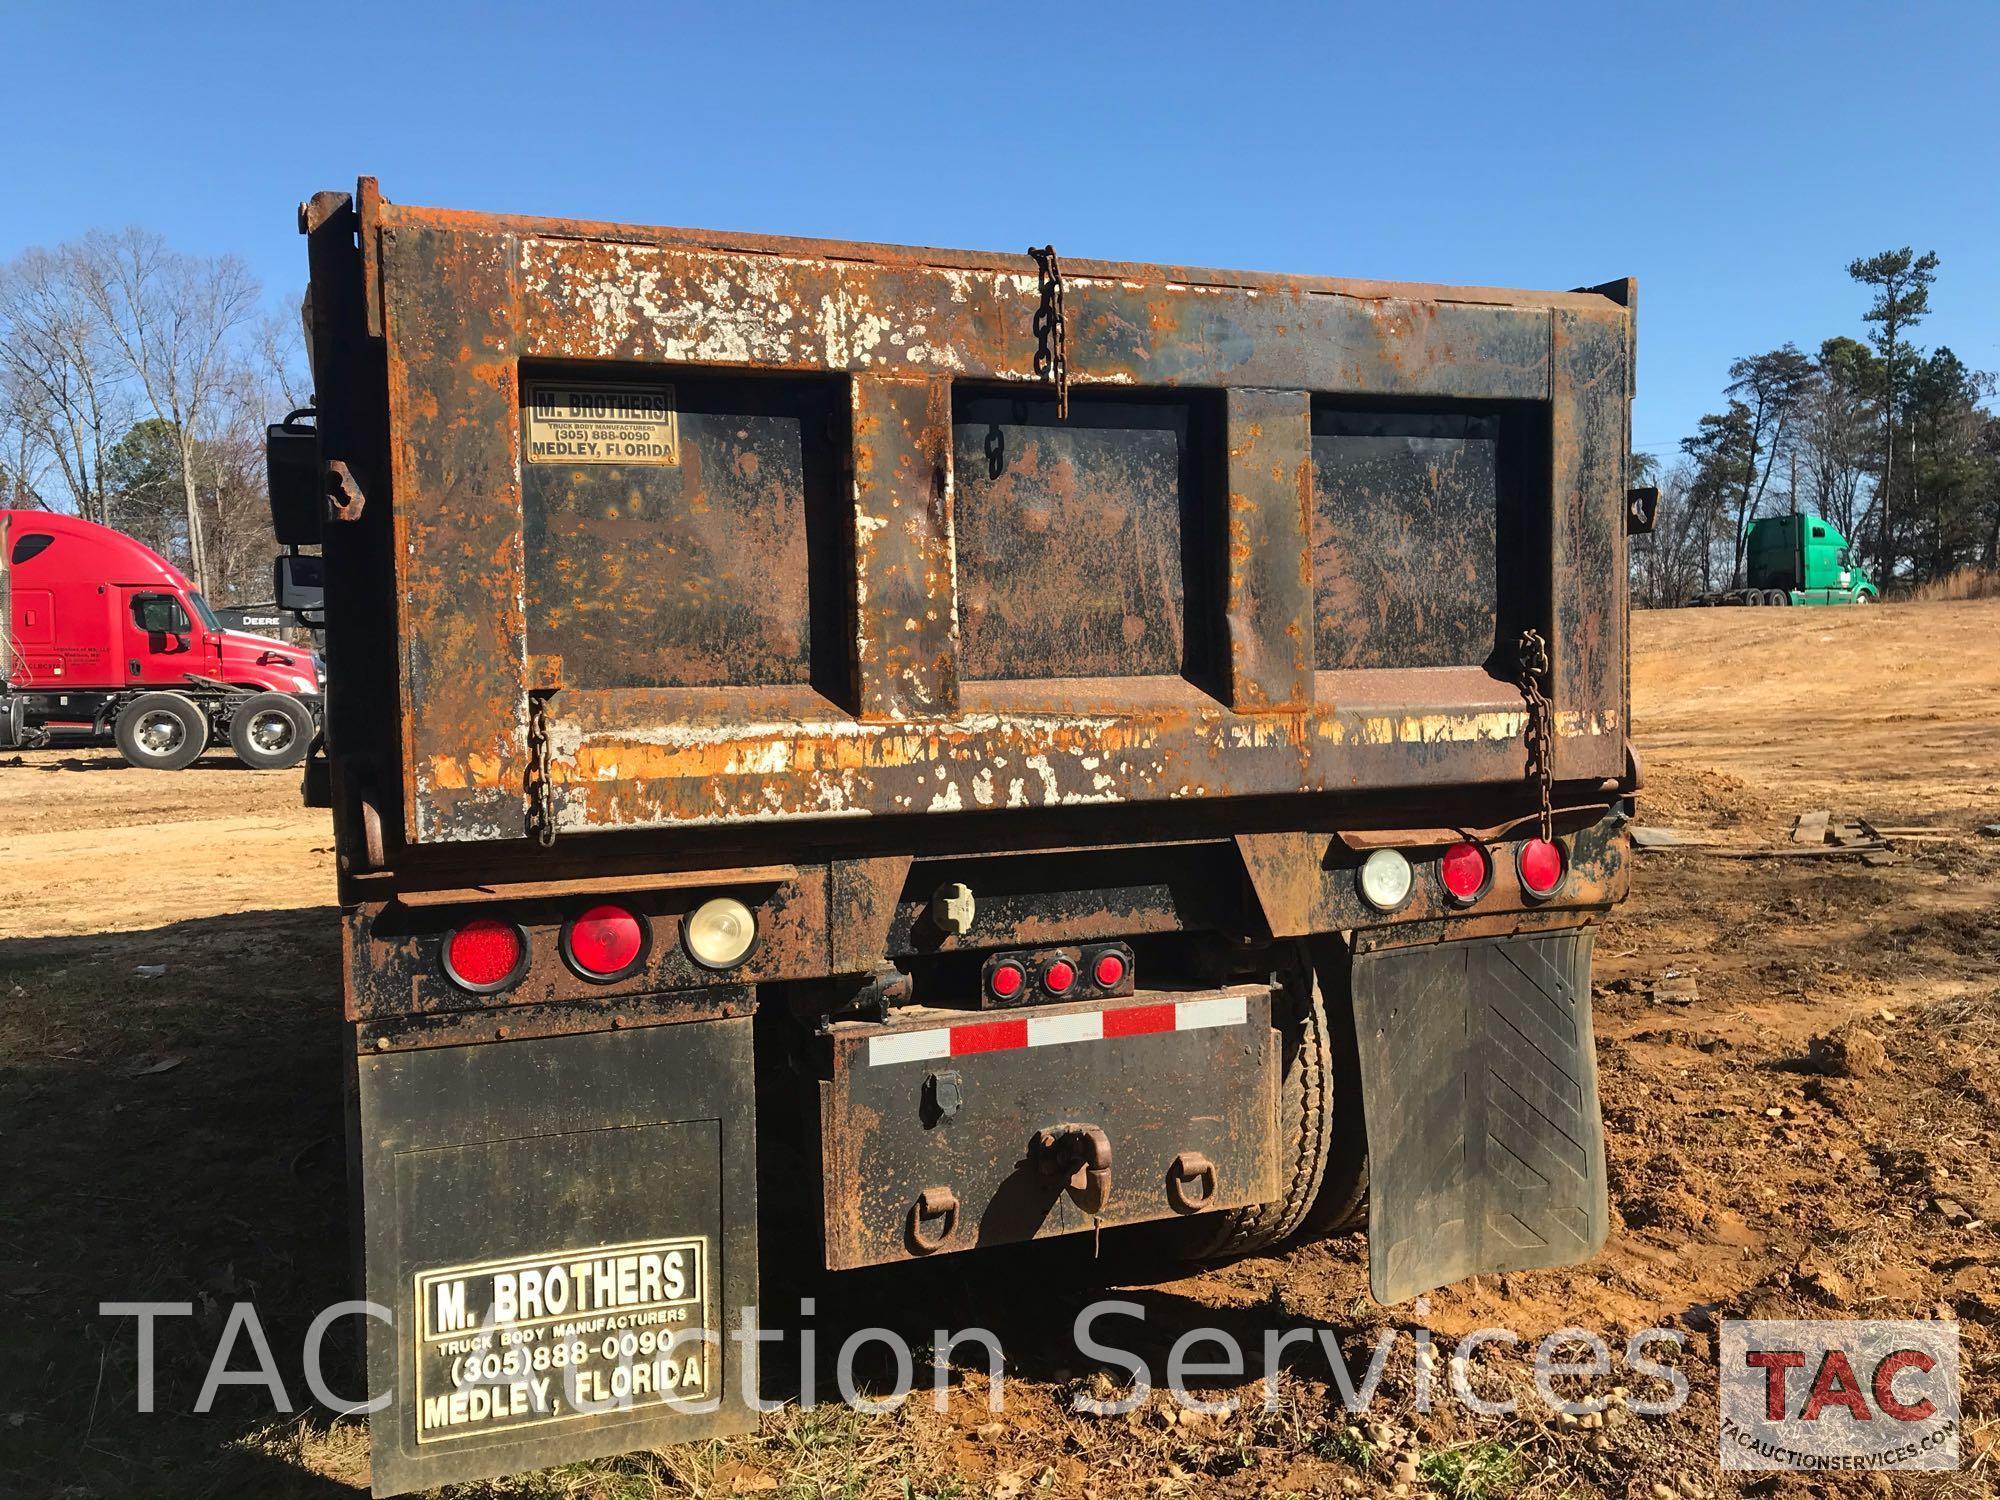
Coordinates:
601	424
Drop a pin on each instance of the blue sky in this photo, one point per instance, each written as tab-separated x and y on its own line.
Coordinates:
1732	157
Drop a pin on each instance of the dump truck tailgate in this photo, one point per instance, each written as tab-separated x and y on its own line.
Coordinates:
768	529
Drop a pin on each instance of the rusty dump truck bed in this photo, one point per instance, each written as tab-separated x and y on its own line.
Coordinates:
726	529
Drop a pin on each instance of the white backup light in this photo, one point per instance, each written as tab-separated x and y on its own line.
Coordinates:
1385	879
719	933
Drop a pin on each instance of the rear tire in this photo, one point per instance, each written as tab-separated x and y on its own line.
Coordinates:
161	732
1305	1121
1342	1204
1777	596
1753	596
1324	1164
271	732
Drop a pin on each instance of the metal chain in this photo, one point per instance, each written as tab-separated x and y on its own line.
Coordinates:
1051	333
541	789
1534	655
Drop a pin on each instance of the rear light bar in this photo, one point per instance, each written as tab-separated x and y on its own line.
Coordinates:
1025	977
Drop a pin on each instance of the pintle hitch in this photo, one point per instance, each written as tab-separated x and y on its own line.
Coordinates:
1078	1156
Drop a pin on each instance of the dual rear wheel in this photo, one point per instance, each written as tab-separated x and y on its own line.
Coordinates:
168	731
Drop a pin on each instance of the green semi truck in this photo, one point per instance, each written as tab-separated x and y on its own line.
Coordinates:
1797	560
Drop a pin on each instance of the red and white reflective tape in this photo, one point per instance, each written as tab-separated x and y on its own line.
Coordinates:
1010	1032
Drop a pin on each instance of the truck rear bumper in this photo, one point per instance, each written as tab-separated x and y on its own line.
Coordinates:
950	1130
1479	1083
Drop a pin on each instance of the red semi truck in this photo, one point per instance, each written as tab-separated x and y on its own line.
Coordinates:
104	636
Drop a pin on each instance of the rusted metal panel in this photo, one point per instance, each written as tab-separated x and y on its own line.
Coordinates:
393	967
861	906
697	572
368	211
715	769
1285	871
1414	727
893	1128
1590	407
603	300
456	477
1407	539
708	716
1306	882
1073	895
906	590
515	1023
1083	543
599	885
1268	592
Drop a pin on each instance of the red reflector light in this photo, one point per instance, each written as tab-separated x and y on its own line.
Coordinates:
1006	980
605	942
1541	867
1059	976
1464	871
485	955
1109	970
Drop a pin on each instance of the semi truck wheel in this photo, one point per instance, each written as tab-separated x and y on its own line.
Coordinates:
270	732
161	732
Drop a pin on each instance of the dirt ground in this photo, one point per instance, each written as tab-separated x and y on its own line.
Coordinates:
174	1136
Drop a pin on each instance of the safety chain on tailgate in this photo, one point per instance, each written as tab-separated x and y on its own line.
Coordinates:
541	790
1051	337
1534	653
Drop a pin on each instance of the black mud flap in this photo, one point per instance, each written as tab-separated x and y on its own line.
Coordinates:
1479	1084
560	1228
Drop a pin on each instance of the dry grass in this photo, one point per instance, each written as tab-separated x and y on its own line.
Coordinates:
1966	583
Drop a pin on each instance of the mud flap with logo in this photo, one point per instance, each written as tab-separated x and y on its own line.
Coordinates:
1479	1084
560	1228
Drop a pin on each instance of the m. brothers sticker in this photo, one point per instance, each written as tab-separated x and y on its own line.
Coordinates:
601	424
574	1333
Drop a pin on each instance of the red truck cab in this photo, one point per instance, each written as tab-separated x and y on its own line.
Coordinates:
106	635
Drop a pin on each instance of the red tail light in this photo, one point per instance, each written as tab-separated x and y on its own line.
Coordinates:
1005	980
1541	865
605	943
485	955
1059	976
1109	970
1465	871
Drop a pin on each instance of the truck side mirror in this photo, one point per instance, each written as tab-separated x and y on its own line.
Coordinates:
298	583
291	465
1642	509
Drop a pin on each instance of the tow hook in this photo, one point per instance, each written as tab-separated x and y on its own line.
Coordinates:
933	1217
1080	1156
1188	1168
